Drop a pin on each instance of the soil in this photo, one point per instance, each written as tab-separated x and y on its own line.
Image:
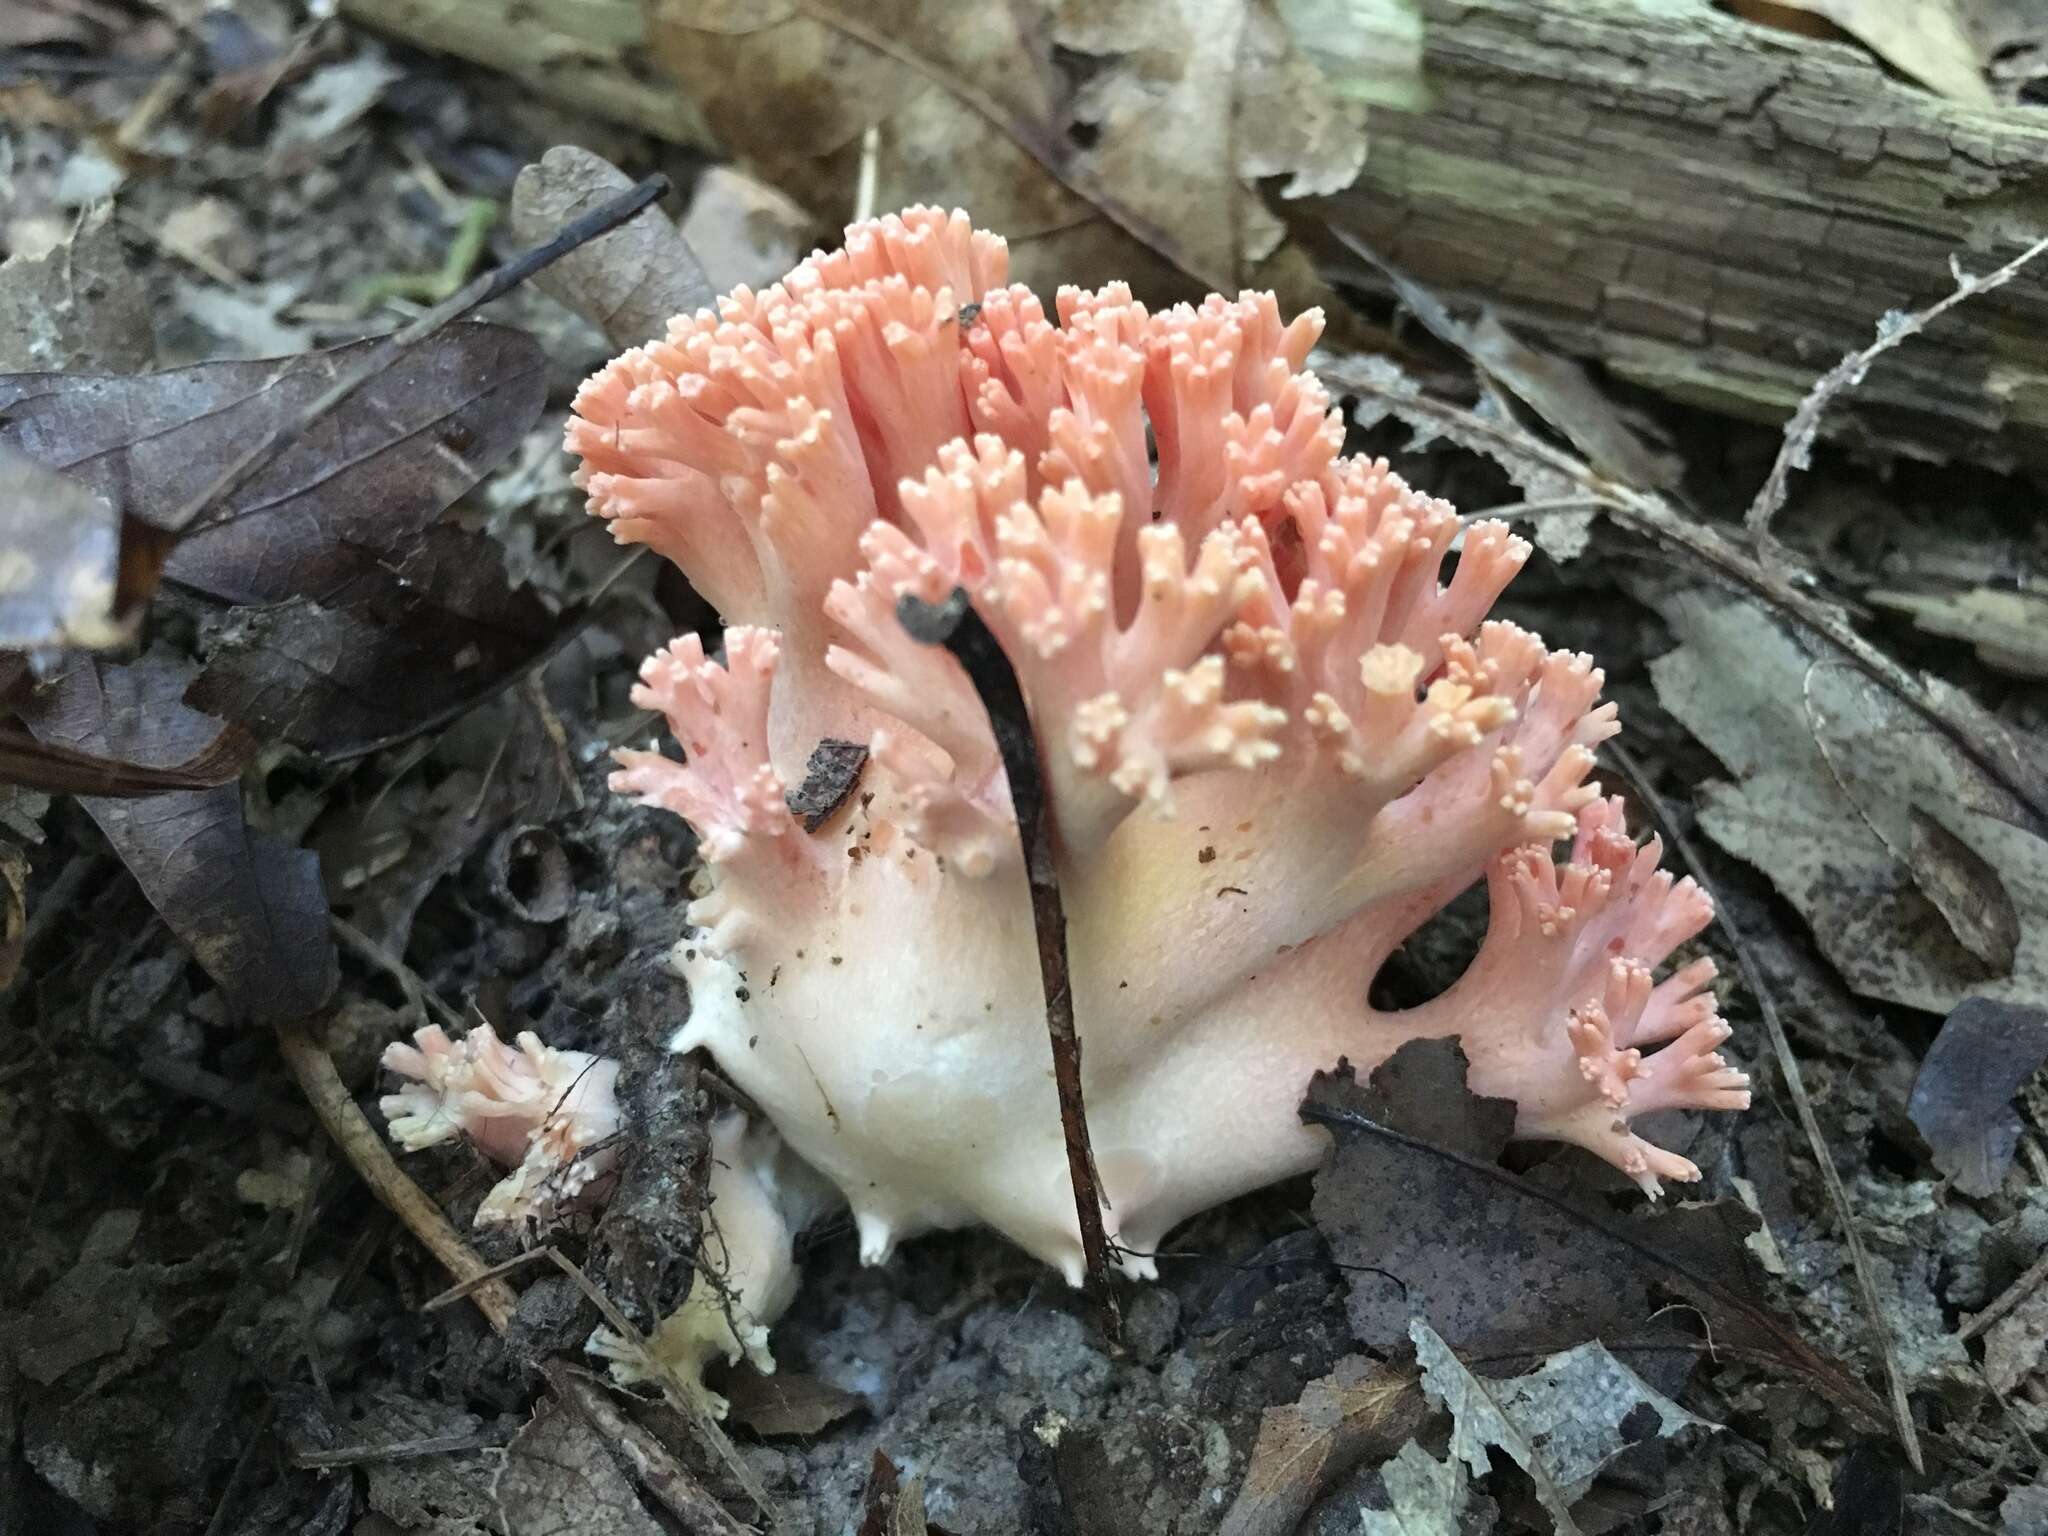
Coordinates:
209	1324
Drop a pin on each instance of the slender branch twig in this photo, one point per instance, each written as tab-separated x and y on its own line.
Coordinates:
955	625
373	1162
491	285
1802	1105
1896	327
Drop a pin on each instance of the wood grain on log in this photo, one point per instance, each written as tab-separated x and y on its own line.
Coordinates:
1719	211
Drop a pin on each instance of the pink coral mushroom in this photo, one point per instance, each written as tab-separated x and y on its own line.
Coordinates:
1276	740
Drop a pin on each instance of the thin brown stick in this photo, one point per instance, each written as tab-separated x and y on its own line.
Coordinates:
1795	1087
674	1390
2009	1298
960	629
373	1162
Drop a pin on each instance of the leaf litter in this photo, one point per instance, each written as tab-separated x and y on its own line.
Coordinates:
271	652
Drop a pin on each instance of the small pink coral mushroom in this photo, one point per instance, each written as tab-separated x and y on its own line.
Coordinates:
551	1116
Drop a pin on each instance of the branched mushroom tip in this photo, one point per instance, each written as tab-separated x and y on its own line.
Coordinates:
1276	737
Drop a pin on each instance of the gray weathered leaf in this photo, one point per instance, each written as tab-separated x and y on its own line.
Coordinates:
1561	1423
77	306
1425	1497
1826	771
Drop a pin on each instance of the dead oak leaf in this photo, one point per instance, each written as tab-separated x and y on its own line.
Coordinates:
1086	130
1304	1448
1509	1269
249	906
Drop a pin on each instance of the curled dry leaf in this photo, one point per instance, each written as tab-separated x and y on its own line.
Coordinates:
1415	1205
1827	771
627	282
1362	1410
1107	137
248	906
60	770
1962	1099
1561	1423
559	1479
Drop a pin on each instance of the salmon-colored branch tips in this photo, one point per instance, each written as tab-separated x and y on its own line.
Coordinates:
1277	730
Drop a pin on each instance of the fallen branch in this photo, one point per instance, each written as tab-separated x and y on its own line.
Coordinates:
367	1153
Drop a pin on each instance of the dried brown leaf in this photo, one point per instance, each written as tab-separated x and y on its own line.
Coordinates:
1364	1409
890	1506
787	1403
248	906
60	770
1094	133
1507	1269
440	615
381	466
627	282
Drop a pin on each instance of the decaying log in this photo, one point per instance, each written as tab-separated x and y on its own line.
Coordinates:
1720	211
1715	209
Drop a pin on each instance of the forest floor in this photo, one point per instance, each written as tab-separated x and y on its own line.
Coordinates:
209	1325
